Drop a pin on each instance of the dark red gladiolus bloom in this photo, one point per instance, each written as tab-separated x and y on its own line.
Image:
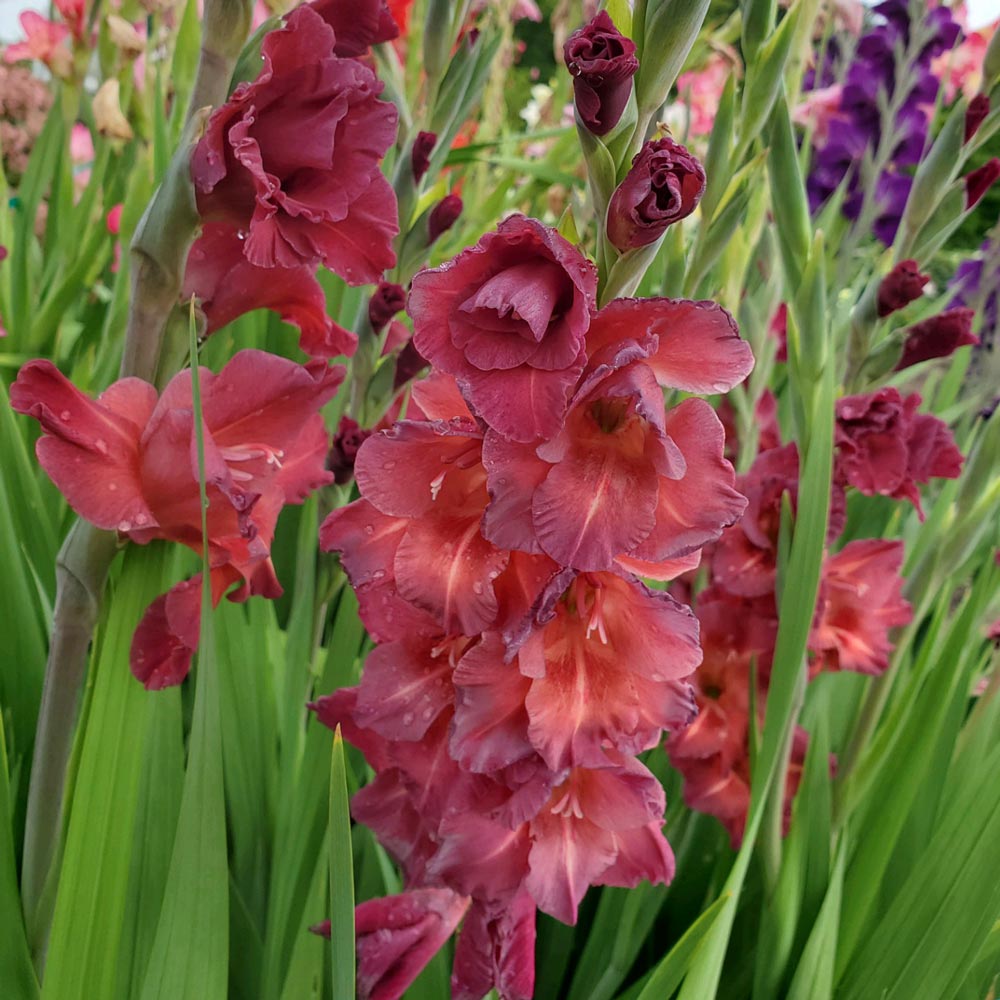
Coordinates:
409	364
602	63
420	158
443	216
508	319
227	285
292	159
357	24
975	114
126	462
979	181
938	336
885	447
861	599
387	300
901	286
496	949
663	186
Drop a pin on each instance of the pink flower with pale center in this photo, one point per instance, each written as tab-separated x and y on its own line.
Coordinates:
44	42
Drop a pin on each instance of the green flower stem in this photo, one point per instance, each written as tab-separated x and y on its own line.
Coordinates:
159	251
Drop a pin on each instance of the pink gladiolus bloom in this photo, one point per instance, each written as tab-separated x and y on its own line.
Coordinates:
621	479
44	42
860	601
885	447
496	949
292	159
817	109
508	318
126	462
701	90
227	285
74	13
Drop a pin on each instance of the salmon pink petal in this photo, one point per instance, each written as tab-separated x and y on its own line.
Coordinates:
366	539
404	687
447	568
90	448
479	857
496	949
438	397
621	798
303	467
166	638
514	472
693	510
568	855
491	724
700	349
402	471
665	569
643	854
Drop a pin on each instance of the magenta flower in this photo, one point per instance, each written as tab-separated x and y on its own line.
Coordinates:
292	159
508	319
602	63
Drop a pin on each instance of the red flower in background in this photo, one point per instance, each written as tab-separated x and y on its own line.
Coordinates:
357	24
901	286
508	318
227	286
938	337
885	447
292	159
128	462
860	601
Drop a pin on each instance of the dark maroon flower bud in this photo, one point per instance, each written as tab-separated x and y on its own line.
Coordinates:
443	216
420	158
975	113
664	186
3	252
409	363
938	336
349	438
387	300
602	62
901	286
979	181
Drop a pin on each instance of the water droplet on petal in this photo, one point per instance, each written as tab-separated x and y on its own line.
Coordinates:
65	415
407	718
125	526
112	487
140	519
101	445
369	529
427	713
477	587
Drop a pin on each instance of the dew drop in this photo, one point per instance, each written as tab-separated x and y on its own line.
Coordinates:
378	574
477	587
407	718
369	529
388	466
101	445
140	519
427	713
65	415
124	525
112	487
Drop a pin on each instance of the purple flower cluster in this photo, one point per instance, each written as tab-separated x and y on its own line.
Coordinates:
977	285
895	53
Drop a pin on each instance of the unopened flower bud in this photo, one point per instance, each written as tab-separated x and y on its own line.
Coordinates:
975	114
979	181
420	158
124	37
349	438
938	337
901	286
443	216
387	300
602	62
108	116
664	186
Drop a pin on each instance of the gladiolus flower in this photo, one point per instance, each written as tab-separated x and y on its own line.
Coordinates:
975	114
885	447
292	159
496	949
979	181
663	186
602	63
349	438
357	24
227	285
44	42
124	462
508	318
938	337
861	599
396	936
901	286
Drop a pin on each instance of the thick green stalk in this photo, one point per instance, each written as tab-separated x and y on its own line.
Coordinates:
159	252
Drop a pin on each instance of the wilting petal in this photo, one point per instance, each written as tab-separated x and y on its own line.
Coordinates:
398	935
700	348
496	949
166	638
